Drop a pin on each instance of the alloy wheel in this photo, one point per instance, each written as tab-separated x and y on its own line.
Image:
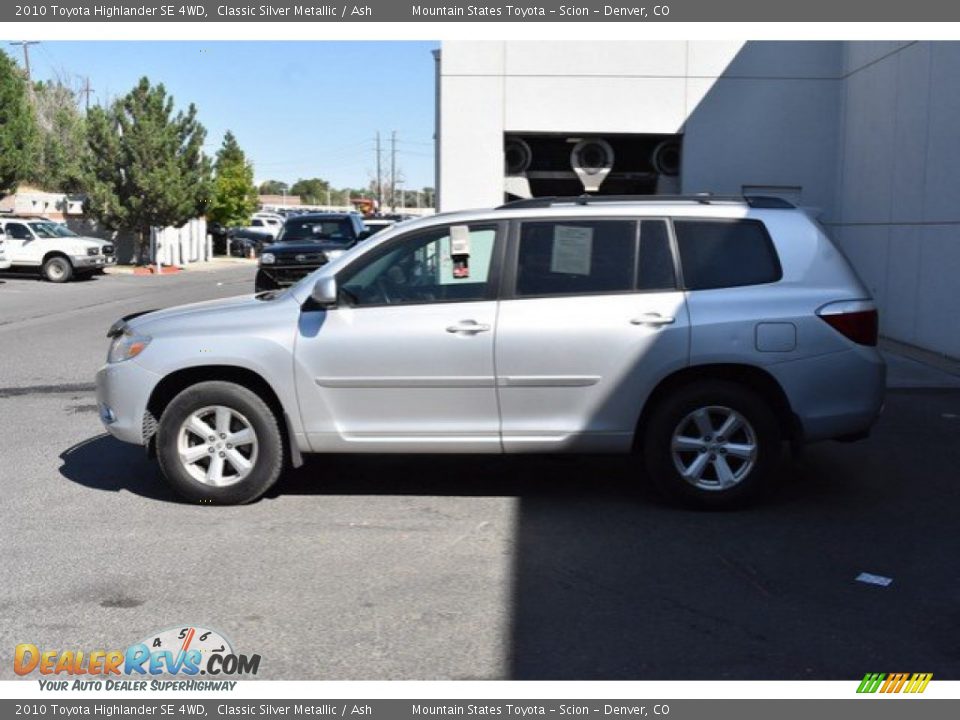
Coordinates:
714	448
217	446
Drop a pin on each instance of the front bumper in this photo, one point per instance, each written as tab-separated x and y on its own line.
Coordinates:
281	276
94	261
123	390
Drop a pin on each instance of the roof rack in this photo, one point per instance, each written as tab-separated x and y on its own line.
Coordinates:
754	201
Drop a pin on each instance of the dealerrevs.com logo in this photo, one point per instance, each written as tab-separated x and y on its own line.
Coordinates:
188	651
894	682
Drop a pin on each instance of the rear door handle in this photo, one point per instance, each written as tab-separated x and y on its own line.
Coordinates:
653	319
470	327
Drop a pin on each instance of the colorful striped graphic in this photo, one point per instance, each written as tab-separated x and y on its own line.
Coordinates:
894	682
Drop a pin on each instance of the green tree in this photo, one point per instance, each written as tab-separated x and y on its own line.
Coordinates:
312	191
18	133
58	165
234	197
146	167
273	187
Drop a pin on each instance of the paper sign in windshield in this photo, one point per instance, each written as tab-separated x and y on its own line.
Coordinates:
572	248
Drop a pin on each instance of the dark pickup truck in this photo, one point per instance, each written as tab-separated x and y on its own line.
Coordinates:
305	243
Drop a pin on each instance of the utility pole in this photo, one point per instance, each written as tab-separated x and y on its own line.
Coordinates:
379	178
25	44
393	171
86	93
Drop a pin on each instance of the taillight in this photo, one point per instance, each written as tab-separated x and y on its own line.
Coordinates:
856	320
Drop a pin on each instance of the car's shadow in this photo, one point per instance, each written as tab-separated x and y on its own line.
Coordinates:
104	463
37	277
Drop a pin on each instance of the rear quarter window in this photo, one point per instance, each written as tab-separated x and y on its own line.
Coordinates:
726	253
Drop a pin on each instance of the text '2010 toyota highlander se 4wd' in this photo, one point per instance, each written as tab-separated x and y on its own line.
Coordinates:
700	333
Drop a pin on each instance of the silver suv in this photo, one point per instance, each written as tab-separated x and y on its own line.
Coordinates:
700	333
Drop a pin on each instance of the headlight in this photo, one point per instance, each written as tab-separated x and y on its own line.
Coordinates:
333	254
127	345
93	251
267	259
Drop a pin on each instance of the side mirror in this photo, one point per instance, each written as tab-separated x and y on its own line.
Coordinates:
364	235
325	292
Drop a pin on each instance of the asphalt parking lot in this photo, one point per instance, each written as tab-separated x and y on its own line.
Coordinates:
405	567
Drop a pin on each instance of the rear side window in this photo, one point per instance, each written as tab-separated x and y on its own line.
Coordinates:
722	254
18	231
570	257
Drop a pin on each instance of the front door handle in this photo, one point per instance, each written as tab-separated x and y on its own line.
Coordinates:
653	319
470	327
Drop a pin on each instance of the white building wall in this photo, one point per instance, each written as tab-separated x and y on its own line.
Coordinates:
898	193
731	100
768	118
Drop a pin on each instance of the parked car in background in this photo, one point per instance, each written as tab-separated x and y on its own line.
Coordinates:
305	243
270	226
699	333
377	224
52	248
247	241
241	240
218	235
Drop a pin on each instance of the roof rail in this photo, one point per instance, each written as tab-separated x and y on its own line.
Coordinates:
755	201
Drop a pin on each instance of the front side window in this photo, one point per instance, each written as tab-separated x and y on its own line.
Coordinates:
723	253
424	268
570	257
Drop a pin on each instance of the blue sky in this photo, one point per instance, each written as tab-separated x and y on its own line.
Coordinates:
299	109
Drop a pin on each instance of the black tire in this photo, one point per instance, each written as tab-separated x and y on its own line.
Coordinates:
269	460
57	269
675	413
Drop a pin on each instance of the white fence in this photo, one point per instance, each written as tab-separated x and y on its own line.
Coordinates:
179	246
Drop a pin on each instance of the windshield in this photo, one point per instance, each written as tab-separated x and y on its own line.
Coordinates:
335	230
52	230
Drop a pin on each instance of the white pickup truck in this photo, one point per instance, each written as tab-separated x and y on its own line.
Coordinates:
54	249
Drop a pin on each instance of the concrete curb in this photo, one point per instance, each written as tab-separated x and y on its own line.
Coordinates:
208	266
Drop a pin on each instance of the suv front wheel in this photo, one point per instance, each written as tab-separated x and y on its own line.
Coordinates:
219	443
58	269
712	443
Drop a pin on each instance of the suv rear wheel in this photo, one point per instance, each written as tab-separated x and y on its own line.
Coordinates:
712	443
57	269
219	443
